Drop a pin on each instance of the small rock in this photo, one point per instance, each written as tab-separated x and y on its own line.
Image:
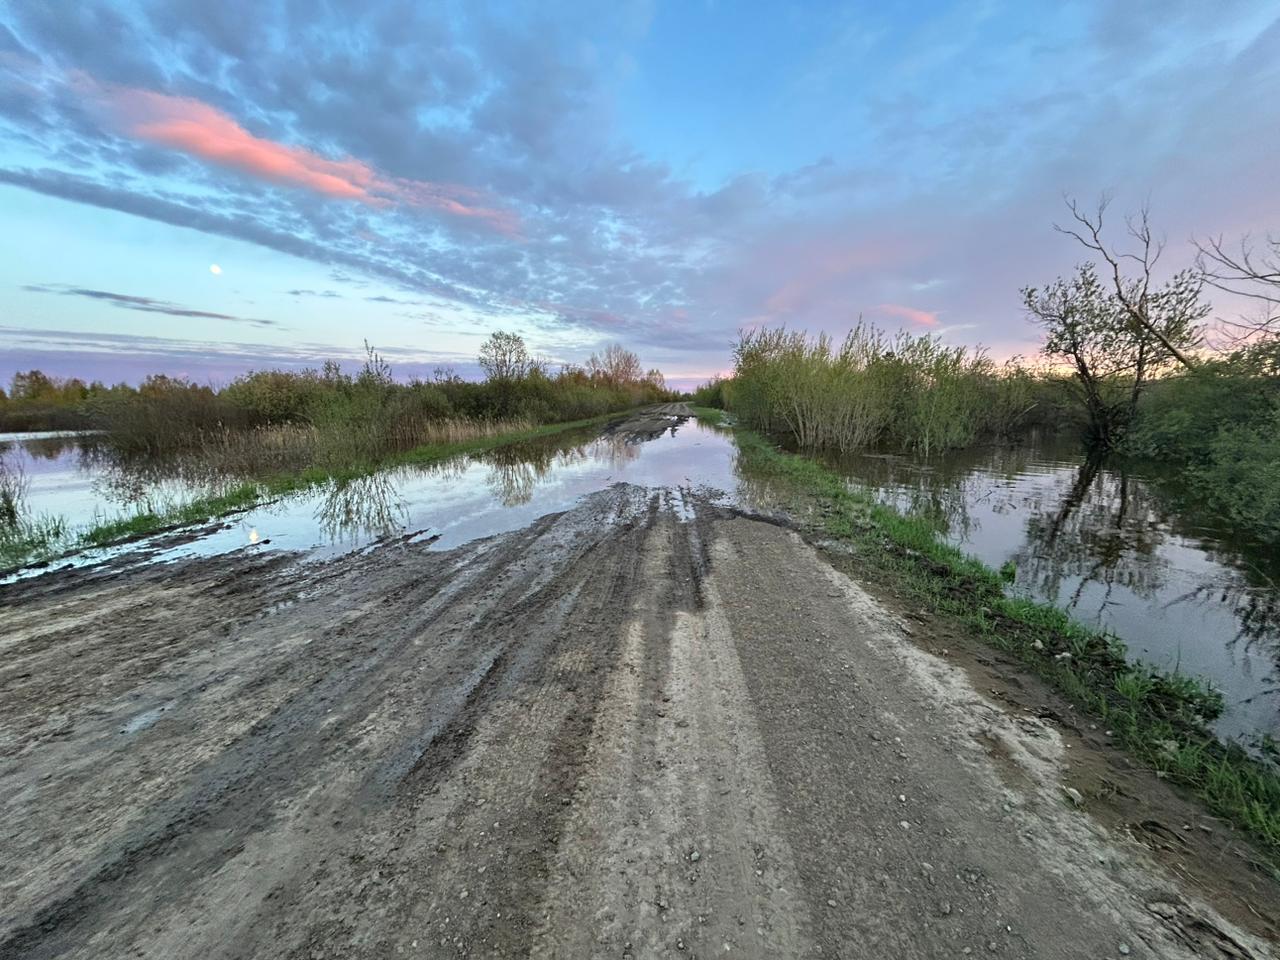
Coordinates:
1076	797
944	909
831	903
904	824
695	856
1124	949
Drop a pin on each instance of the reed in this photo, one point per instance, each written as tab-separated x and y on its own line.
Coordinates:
13	492
872	390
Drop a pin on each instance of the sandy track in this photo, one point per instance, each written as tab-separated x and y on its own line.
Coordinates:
614	733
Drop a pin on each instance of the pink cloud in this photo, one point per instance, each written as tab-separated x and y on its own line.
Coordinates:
923	317
205	132
815	272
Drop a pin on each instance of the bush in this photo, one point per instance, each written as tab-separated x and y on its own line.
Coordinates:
1221	423
909	393
711	394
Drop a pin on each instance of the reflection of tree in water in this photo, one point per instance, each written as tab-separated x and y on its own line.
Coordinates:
362	505
148	484
1092	530
617	452
1111	529
1104	528
516	471
50	448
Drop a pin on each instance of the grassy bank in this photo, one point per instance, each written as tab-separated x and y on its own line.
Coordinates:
1161	719
40	539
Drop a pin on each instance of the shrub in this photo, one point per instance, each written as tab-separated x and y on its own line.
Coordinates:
907	392
1221	423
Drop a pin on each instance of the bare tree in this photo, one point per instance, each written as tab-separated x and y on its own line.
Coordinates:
618	365
1134	294
1251	273
504	357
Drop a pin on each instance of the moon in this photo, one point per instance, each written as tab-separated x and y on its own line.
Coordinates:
215	269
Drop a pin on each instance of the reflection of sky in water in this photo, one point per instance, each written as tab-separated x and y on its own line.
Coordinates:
51	464
467	498
1103	544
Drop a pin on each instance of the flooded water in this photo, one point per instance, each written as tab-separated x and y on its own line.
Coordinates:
1108	543
1111	544
445	504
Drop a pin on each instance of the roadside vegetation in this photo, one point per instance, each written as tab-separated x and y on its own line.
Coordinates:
872	391
269	433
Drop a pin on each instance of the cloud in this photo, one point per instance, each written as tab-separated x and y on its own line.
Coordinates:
207	133
925	318
382	298
144	304
893	165
330	294
112	356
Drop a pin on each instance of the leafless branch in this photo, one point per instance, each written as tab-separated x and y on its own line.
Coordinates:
1132	295
1249	275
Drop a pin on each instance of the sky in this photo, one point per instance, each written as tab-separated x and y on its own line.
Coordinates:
203	188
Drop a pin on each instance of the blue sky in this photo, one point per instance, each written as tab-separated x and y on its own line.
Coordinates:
655	174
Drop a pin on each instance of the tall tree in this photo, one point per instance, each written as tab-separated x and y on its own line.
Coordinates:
504	357
617	365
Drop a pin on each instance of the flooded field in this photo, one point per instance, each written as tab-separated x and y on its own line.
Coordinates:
445	504
1101	541
1111	544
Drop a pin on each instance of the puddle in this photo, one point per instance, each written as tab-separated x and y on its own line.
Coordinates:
145	719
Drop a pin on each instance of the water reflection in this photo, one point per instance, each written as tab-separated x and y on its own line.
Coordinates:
361	506
1113	543
516	471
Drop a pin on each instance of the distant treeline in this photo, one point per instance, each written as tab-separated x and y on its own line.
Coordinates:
166	413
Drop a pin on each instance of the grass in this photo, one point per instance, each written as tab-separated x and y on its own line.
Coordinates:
1162	719
43	539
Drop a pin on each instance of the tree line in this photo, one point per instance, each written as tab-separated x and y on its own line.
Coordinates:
165	412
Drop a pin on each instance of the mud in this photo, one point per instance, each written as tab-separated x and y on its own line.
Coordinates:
646	726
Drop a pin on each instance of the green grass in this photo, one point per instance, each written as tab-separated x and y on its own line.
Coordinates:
50	537
1162	719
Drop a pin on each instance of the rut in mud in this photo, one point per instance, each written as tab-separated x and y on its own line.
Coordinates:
649	725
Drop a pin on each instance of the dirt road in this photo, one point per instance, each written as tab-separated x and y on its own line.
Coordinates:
648	726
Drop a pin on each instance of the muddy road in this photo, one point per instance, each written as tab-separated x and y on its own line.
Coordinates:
650	725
